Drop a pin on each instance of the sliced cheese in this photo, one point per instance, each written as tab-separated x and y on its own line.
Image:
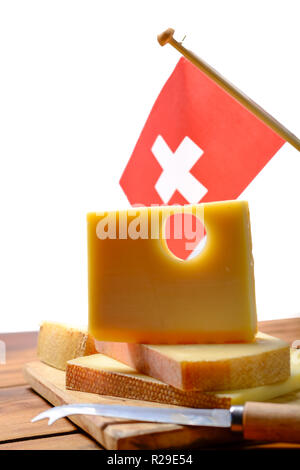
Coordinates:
105	376
58	343
269	392
140	292
207	367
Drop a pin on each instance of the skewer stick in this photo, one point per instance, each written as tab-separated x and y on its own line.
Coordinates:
167	38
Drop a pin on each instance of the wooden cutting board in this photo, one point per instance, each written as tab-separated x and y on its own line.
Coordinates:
118	434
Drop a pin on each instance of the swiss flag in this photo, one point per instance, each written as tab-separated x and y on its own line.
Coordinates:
221	151
198	144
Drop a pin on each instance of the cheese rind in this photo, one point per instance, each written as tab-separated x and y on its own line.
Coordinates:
207	367
139	292
58	343
105	376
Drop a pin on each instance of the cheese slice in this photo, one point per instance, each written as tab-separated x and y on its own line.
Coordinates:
269	392
58	343
105	376
140	292
207	367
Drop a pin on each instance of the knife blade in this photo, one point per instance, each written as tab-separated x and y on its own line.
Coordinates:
258	421
179	415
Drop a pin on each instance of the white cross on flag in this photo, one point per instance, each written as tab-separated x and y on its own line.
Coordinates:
176	175
200	144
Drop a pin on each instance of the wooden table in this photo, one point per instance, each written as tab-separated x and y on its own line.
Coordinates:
19	404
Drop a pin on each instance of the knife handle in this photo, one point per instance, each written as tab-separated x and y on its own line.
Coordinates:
271	422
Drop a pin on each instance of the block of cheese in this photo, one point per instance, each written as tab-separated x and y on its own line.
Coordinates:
58	343
105	376
268	392
207	367
140	292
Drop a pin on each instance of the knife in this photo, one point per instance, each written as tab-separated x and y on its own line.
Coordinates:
257	421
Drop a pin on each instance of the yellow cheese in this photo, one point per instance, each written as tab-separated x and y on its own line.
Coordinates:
58	343
268	392
105	376
207	366
139	292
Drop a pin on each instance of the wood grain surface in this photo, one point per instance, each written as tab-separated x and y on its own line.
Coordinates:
22	403
117	434
74	441
114	433
21	348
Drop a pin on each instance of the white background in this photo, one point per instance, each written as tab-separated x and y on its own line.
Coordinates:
77	81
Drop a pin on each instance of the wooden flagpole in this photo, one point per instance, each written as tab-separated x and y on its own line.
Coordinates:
167	38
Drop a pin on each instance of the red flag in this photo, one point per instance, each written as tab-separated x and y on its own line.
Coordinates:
224	144
198	144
